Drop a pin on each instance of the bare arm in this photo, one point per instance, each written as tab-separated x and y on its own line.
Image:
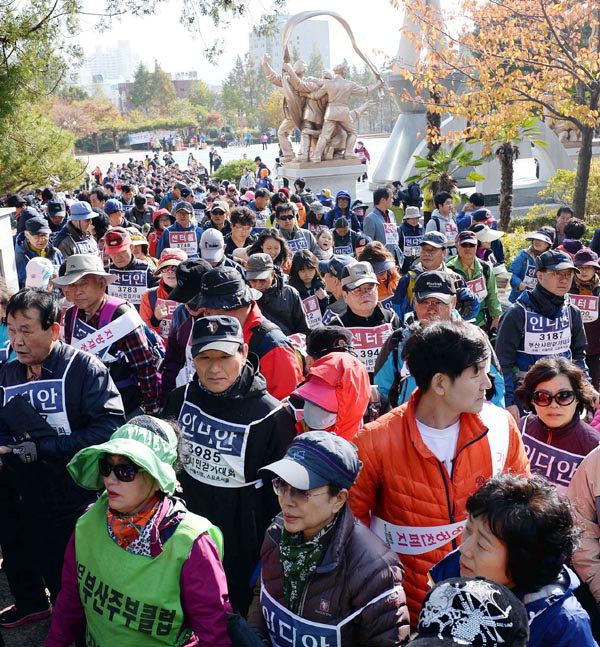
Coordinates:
270	72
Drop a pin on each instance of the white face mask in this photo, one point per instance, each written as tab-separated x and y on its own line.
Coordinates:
318	419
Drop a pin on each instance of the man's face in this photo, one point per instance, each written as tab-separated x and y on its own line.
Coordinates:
39	241
386	203
341	231
431	257
189	198
262	285
97	204
82	225
343	203
56	219
563	218
556	282
29	340
217	370
446	207
122	258
286	220
127	195
331	283
86	292
183	218
466	394
362	300
176	193
467	253
431	310
116	218
217	217
241	232
261	202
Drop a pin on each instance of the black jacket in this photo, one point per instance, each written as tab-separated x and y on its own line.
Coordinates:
94	410
282	305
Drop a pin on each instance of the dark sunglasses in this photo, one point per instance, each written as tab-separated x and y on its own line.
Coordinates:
290	217
562	398
125	472
217	212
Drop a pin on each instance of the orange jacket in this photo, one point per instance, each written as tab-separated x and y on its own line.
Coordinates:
403	483
349	376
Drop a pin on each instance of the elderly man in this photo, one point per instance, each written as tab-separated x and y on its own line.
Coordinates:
111	329
339	91
75	237
55	401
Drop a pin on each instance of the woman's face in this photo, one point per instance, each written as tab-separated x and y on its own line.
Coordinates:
124	497
586	273
540	246
482	554
168	275
554	415
309	514
325	241
307	275
271	247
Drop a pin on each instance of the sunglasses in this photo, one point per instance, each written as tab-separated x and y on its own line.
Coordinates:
285	217
125	472
280	487
562	398
217	212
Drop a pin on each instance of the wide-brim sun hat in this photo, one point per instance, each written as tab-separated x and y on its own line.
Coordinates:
488	235
153	453
80	265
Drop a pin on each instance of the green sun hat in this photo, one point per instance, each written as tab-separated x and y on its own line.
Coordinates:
148	442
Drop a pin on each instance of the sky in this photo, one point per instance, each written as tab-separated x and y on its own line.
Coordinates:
375	24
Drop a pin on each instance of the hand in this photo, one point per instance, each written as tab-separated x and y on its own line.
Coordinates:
160	311
265	58
5	450
321	294
521	287
26	451
513	409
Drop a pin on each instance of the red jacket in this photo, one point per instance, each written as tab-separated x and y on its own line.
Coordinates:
403	483
278	361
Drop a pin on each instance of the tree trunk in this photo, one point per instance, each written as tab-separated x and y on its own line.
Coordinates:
506	158
584	159
96	142
433	129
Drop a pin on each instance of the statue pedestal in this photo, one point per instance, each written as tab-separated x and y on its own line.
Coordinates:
335	175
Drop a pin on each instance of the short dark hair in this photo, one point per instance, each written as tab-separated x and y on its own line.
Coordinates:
279	198
242	216
440	198
533	521
84	196
477	199
456	345
283	208
99	193
212	187
300	182
574	229
46	303
549	367
125	188
566	209
261	193
382	193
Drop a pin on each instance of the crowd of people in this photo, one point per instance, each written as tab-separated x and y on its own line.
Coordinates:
235	415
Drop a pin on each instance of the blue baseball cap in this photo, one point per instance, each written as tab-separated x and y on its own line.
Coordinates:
112	206
555	260
318	458
335	265
82	211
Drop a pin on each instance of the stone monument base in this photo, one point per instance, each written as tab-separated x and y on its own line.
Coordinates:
335	175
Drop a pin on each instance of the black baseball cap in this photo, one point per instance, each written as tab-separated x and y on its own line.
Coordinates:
140	200
556	260
318	458
37	225
56	208
219	332
186	193
328	339
223	288
189	274
437	285
467	236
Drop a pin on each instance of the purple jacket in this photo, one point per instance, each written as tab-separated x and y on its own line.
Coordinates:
577	437
204	596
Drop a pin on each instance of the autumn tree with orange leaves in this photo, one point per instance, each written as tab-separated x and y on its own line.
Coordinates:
511	60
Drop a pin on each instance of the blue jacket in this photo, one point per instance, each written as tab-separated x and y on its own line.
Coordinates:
163	241
24	253
393	365
523	263
335	213
556	619
515	362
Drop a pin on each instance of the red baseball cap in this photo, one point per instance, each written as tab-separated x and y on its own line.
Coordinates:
318	392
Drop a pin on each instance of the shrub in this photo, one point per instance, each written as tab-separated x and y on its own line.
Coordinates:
232	170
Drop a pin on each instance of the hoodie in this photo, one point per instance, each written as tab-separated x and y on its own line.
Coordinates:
337	212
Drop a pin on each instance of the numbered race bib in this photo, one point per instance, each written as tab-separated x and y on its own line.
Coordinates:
557	465
311	308
412	245
261	219
530	278
344	249
588	304
86	246
5	351
186	240
297	243
213	450
478	287
368	342
130	285
47	397
415	540
544	336
391	233
165	324
387	303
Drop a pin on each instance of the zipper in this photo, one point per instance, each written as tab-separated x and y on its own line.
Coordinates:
300	605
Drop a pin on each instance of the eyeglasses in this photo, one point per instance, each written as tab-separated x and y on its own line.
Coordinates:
169	269
280	487
562	398
364	289
125	472
290	217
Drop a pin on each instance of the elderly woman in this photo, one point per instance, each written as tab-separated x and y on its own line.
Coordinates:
325	578
139	569
555	437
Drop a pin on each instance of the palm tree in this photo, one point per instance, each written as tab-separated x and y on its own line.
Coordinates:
507	153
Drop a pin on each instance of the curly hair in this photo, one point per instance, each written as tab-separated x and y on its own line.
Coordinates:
547	368
534	522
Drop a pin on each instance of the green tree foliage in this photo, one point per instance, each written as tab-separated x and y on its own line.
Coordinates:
201	95
244	91
163	91
141	93
316	64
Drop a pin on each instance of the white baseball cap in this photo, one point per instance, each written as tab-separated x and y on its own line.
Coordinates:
212	245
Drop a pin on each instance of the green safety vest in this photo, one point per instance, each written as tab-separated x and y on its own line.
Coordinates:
131	599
